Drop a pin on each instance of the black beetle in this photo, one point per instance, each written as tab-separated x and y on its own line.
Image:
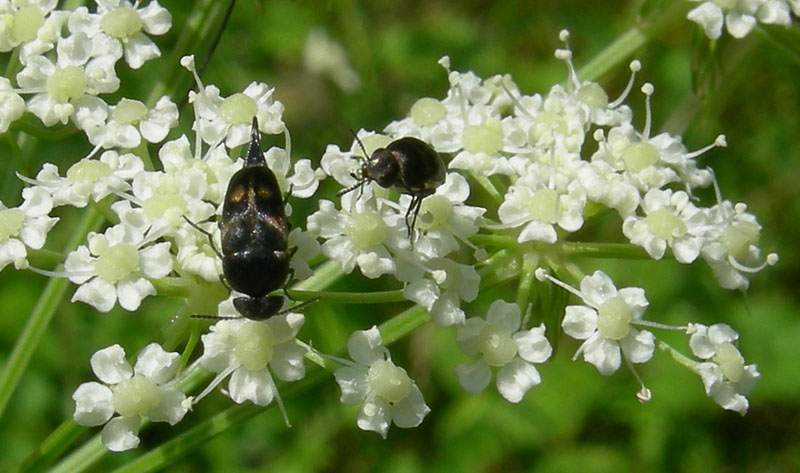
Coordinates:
254	234
408	165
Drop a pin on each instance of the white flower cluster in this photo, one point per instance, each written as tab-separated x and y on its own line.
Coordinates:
153	238
538	145
68	59
741	16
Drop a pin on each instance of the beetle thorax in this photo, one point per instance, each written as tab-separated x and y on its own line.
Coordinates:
382	168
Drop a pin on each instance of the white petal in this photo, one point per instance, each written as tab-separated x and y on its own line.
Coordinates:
446	312
468	333
533	345
516	378
157	364
504	314
638	346
93	404
474	377
538	231
410	411
287	362
739	25
353	384
98	293
253	386
110	365
170	408
604	354
365	346
709	16
139	49
579	322
374	415
155	261
285	327
120	434
132	290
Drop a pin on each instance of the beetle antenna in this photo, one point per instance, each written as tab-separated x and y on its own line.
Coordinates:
254	156
366	157
349	189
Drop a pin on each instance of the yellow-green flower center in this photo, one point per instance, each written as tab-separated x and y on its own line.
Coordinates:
254	345
614	318
485	138
87	170
129	111
238	109
427	111
730	362
114	263
665	224
27	21
638	156
67	84
11	221
434	212
593	95
136	396
388	381
542	205
546	125
726	5
365	230
121	23
497	345
738	238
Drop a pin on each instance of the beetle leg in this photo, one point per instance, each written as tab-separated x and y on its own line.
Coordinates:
206	233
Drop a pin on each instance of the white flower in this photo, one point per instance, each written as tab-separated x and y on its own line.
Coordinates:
606	322
727	380
21	21
129	121
670	219
89	178
606	186
501	343
251	352
147	390
25	226
731	245
12	106
230	119
443	221
110	268
386	394
323	56
357	237
305	180
538	206
163	199
126	24
740	16
450	283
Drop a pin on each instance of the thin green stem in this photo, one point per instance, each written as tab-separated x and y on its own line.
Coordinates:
530	261
350	297
40	318
601	250
487	186
676	355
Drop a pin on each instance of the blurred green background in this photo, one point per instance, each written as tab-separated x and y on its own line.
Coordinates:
576	420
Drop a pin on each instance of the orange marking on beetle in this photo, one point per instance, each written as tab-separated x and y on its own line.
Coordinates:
237	195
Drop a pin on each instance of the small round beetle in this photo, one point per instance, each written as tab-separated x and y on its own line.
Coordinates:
407	165
254	234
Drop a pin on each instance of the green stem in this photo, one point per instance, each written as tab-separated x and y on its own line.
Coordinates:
601	250
625	45
530	261
40	318
676	355
350	297
487	186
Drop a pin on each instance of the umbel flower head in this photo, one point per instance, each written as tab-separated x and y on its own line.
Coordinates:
145	391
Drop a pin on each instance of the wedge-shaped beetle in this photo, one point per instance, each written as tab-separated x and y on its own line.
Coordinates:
407	165
254	233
